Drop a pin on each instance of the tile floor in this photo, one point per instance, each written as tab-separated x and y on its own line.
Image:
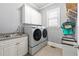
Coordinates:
49	51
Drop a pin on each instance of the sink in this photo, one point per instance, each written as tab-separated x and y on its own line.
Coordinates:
7	36
14	35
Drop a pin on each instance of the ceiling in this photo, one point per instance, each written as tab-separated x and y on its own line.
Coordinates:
40	5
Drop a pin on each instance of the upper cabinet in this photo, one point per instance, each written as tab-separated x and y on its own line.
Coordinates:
30	15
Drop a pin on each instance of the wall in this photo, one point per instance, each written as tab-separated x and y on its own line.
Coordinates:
9	17
54	33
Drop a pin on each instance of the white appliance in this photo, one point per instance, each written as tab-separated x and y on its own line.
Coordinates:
44	36
34	38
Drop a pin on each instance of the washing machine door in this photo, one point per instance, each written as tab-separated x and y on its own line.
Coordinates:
37	34
44	33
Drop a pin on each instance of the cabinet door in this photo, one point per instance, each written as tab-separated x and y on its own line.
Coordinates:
27	14
35	17
31	16
22	48
10	50
69	51
1	51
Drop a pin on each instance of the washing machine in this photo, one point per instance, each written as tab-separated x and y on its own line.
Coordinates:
44	36
34	34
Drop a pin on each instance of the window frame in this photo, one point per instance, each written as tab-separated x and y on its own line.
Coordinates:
58	16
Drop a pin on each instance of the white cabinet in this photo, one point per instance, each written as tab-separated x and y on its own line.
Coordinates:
22	47
30	15
14	47
27	13
1	51
35	17
69	51
10	50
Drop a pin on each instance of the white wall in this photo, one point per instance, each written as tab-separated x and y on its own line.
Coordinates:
9	17
54	33
77	29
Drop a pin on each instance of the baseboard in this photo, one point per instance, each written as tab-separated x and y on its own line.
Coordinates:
55	44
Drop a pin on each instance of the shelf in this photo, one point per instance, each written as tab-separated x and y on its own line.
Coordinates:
68	44
65	39
71	16
69	41
69	10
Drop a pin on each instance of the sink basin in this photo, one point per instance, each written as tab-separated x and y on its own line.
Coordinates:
14	35
7	36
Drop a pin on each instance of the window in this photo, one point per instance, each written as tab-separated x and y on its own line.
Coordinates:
53	17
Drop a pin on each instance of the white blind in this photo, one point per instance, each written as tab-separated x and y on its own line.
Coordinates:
53	17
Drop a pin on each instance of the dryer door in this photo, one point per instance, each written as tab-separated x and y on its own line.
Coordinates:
44	33
37	34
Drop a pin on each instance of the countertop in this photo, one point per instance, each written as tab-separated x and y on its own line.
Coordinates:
13	37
